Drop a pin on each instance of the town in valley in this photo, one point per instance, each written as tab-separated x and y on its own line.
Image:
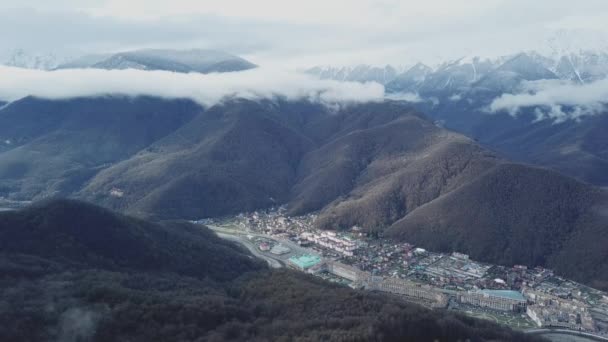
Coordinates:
518	296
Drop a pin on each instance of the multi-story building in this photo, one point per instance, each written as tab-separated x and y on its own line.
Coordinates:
331	240
408	289
548	310
502	300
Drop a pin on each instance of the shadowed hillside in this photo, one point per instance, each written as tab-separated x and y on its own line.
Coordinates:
231	158
576	148
50	148
77	272
83	235
501	222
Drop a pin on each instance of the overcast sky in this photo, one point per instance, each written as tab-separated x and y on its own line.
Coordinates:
302	33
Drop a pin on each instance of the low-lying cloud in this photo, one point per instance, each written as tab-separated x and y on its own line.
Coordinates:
408	97
210	89
557	100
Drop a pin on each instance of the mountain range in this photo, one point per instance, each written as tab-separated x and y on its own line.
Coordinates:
457	95
71	271
195	60
382	166
582	66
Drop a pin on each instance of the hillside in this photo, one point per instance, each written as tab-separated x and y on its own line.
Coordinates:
245	155
369	165
75	272
441	191
231	158
82	235
578	148
51	148
501	222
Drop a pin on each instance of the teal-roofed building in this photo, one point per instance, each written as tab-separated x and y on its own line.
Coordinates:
508	294
304	262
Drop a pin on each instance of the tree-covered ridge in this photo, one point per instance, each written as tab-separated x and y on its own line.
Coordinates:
82	235
69	272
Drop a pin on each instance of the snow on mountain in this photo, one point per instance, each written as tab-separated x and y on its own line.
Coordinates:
573	42
23	59
509	75
576	55
82	62
581	67
472	72
196	60
410	80
458	75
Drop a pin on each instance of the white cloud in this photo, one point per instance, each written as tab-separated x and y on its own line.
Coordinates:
409	97
554	99
207	89
455	97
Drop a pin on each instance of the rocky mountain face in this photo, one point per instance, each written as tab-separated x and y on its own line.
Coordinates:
70	271
584	67
410	80
374	165
465	74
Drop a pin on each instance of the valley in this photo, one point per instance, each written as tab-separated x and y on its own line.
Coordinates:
303	171
446	281
381	166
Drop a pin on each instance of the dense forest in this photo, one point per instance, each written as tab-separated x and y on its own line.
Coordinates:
71	271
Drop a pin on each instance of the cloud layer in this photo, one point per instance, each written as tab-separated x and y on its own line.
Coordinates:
16	83
557	100
272	32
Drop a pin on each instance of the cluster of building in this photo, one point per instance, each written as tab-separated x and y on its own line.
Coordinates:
420	293
456	268
547	310
433	279
360	279
501	300
328	239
